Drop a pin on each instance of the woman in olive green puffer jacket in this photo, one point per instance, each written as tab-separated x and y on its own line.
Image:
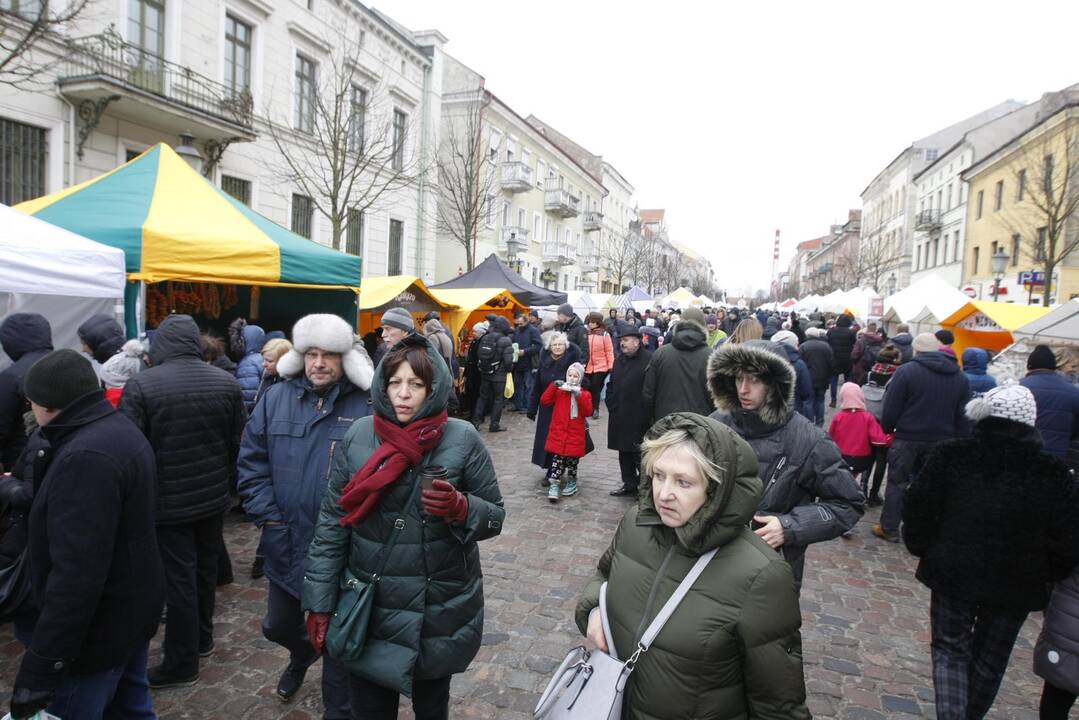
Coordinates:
732	650
427	620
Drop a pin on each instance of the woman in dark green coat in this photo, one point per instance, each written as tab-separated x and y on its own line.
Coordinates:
427	619
732	649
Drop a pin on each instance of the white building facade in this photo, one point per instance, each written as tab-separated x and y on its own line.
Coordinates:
139	72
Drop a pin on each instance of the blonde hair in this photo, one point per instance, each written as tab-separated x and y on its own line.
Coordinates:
748	329
277	348
652	449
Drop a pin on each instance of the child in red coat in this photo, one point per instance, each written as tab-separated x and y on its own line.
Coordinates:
856	432
566	437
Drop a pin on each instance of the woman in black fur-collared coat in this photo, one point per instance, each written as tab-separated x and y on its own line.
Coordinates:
993	521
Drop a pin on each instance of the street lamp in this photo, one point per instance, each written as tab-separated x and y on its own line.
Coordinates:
998	264
189	152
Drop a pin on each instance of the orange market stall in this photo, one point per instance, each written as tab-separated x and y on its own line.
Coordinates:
474	304
406	291
989	325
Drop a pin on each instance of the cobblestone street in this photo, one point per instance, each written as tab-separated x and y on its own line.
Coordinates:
865	632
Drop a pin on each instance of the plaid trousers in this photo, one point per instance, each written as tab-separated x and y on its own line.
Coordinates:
971	646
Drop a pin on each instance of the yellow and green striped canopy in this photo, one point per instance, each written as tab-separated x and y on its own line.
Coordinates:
173	224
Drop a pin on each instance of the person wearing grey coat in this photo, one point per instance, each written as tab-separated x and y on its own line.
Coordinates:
809	493
1056	655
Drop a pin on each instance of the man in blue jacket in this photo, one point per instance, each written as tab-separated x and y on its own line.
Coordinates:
1057	399
529	347
924	404
285	458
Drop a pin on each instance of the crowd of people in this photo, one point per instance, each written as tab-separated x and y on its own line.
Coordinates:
362	462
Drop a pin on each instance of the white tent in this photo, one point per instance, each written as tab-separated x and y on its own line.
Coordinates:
582	303
704	301
930	292
808	304
61	275
1059	327
833	302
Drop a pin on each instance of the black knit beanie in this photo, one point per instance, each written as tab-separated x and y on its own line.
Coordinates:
946	337
1042	358
59	379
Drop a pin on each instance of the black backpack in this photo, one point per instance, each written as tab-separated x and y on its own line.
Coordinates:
488	358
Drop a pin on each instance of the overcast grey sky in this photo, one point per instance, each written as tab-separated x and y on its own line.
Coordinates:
741	118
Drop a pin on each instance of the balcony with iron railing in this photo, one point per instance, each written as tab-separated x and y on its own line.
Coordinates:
102	70
588	262
928	220
516	177
559	253
513	240
559	201
592	221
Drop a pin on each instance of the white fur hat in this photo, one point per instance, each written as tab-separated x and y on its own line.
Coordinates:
331	334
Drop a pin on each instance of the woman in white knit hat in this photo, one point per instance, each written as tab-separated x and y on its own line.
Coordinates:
993	520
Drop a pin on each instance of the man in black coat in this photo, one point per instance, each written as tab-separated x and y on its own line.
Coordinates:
26	338
94	569
923	405
841	338
193	415
820	360
675	380
576	332
628	421
494	358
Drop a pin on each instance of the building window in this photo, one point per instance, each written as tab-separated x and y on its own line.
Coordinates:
998	200
26	9
303	215
146	33
1041	250
955	248
936	252
1017	244
1047	183
237	188
977	257
949	196
541	173
537	234
397	234
305	93
981	201
357	119
23	153
931	154
399	119
1022	185
237	55
354	232
489	216
535	275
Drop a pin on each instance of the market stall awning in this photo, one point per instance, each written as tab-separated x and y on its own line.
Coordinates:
989	325
407	291
475	301
173	224
679	299
1058	327
492	273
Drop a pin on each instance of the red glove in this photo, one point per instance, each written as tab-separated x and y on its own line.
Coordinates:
445	501
317	625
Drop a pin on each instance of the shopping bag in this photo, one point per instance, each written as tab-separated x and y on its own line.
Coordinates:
509	387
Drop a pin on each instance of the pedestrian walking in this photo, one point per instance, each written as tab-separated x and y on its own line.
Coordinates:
888	361
494	359
554	363
904	341
570	404
803	387
472	372
923	405
857	434
748	329
25	338
600	359
716	334
193	415
809	494
628	419
864	354
283	478
95	576
820	360
529	348
702	491
1056	654
675	380
992	520
975	366
117	370
396	324
426	616
245	343
841	338
1058	402
101	337
576	333
213	352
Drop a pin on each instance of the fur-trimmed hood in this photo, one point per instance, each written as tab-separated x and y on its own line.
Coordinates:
331	334
763	359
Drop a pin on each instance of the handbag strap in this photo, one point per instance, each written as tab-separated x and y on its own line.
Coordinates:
670	606
398	528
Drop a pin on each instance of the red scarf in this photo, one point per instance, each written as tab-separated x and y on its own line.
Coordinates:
402	448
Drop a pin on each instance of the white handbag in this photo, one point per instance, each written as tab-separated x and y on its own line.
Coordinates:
591	685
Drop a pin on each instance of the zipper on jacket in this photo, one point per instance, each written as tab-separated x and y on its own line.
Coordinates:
652	594
780	464
329	466
318	405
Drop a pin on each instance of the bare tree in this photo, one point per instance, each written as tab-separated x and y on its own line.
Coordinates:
347	145
875	256
648	262
1045	173
466	176
617	253
25	26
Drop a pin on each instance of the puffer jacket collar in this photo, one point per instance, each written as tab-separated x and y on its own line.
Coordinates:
177	337
764	360
688	335
731	502
438	396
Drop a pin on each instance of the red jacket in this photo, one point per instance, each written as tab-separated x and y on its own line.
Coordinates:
566	436
855	430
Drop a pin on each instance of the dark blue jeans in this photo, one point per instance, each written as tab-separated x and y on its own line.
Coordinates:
835	383
122	692
522	388
817	416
